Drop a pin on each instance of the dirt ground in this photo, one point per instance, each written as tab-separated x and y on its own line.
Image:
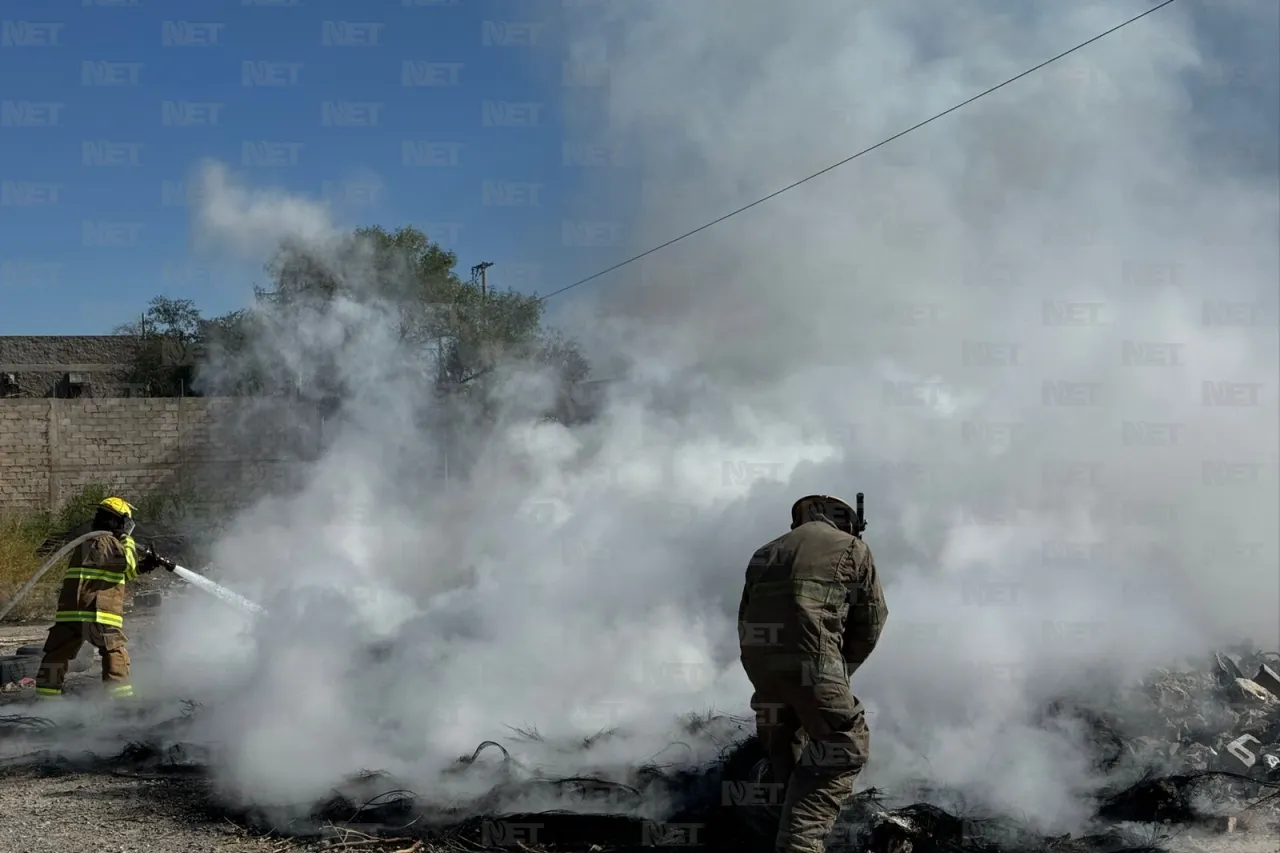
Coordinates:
96	813
45	813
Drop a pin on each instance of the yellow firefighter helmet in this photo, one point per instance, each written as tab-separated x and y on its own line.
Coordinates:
119	506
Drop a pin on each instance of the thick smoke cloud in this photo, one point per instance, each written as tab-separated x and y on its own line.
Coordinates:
995	327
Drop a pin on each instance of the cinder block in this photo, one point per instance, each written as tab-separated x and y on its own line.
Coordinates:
1268	679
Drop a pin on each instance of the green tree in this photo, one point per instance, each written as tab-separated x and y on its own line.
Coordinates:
168	336
460	333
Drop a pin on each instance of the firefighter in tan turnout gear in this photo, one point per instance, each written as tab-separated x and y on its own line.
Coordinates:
91	603
811	613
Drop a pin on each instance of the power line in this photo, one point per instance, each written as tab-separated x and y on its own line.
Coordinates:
853	157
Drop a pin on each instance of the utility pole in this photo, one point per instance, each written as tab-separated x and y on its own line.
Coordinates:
478	274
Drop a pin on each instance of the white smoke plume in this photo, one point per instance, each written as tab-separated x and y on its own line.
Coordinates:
1011	329
250	221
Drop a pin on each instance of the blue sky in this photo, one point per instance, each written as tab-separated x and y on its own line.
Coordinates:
109	105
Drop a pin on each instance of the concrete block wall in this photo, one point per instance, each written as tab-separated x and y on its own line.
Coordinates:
39	362
221	450
24	453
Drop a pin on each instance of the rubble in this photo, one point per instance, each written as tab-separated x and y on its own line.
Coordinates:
1268	679
1246	691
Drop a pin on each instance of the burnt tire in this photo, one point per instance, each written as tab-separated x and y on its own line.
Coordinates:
83	660
26	660
17	667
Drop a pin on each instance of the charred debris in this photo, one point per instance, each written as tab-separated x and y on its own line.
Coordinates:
1193	749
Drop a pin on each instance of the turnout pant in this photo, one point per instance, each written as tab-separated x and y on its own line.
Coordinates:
63	645
815	734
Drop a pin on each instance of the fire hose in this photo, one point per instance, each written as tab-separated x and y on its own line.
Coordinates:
187	575
34	579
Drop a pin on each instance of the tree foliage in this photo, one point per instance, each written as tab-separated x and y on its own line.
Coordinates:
168	335
457	333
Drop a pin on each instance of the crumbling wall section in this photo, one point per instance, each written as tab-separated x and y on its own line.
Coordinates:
212	451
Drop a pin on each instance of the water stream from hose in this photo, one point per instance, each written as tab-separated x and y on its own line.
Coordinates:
218	590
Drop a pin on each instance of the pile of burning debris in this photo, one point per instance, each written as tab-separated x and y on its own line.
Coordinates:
1220	719
1194	749
1212	718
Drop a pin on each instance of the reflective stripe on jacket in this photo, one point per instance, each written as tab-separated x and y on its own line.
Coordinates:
93	587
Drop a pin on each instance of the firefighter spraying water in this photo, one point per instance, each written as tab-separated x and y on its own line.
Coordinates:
92	597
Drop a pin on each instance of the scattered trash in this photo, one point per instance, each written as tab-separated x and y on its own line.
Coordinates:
147	599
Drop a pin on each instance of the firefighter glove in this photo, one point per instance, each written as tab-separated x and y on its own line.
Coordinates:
152	561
